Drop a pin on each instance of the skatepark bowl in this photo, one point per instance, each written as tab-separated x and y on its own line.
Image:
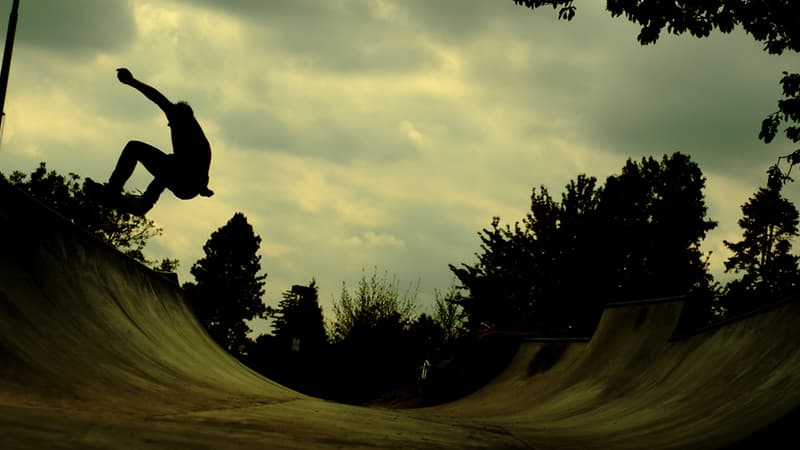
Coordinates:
97	351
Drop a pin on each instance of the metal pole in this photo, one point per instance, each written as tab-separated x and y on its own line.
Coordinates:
12	28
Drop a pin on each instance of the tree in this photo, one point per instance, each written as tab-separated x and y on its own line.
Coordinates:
769	221
775	23
298	322
295	354
448	313
525	278
637	237
67	196
376	300
655	216
228	288
372	345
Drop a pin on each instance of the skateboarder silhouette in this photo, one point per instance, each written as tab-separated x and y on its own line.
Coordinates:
184	172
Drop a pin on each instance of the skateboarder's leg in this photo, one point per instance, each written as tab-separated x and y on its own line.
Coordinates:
140	204
153	159
151	194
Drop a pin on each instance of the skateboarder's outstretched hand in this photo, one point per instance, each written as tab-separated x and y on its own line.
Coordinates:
124	75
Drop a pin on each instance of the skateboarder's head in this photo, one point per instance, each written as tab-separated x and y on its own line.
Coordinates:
184	109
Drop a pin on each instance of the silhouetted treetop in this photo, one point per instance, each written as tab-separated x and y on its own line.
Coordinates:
769	222
636	237
376	300
776	23
228	285
298	320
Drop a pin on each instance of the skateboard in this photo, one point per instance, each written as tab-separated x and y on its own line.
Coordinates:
122	202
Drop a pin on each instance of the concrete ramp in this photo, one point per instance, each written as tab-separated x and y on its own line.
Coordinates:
631	386
97	351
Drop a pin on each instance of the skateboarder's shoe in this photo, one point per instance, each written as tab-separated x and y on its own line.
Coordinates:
101	192
133	204
94	189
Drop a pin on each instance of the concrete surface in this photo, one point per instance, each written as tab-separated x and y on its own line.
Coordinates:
97	351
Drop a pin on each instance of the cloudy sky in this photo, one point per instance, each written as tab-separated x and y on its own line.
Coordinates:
356	134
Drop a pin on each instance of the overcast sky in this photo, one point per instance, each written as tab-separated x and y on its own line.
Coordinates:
356	134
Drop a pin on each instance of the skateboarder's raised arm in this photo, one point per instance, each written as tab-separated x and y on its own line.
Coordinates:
125	76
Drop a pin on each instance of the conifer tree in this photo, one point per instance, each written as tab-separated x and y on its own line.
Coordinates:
228	287
299	324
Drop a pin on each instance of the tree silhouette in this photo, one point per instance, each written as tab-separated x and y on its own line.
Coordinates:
295	355
376	300
67	196
769	221
637	237
372	348
530	275
228	288
298	321
448	313
773	22
654	214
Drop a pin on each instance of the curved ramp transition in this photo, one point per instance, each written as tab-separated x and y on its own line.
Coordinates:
97	351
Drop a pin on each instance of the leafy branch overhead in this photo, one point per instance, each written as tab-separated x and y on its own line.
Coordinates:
775	23
789	112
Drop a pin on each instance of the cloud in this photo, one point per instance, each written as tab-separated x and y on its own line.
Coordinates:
599	88
363	133
375	241
75	28
340	36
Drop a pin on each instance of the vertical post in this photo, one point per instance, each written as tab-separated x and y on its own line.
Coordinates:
4	69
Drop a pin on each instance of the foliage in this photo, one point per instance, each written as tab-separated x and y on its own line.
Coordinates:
376	300
788	111
637	237
167	265
296	354
774	23
655	213
228	288
425	336
448	314
769	221
377	343
298	320
67	196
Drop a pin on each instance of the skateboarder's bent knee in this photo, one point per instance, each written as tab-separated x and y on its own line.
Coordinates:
184	172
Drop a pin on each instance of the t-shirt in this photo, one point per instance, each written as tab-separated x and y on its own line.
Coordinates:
189	143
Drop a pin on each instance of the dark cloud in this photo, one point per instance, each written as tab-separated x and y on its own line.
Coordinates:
330	36
703	97
697	97
457	21
454	19
74	27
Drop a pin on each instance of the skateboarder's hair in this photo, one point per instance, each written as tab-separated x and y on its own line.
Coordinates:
183	106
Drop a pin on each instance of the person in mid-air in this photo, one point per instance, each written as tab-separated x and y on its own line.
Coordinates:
184	172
